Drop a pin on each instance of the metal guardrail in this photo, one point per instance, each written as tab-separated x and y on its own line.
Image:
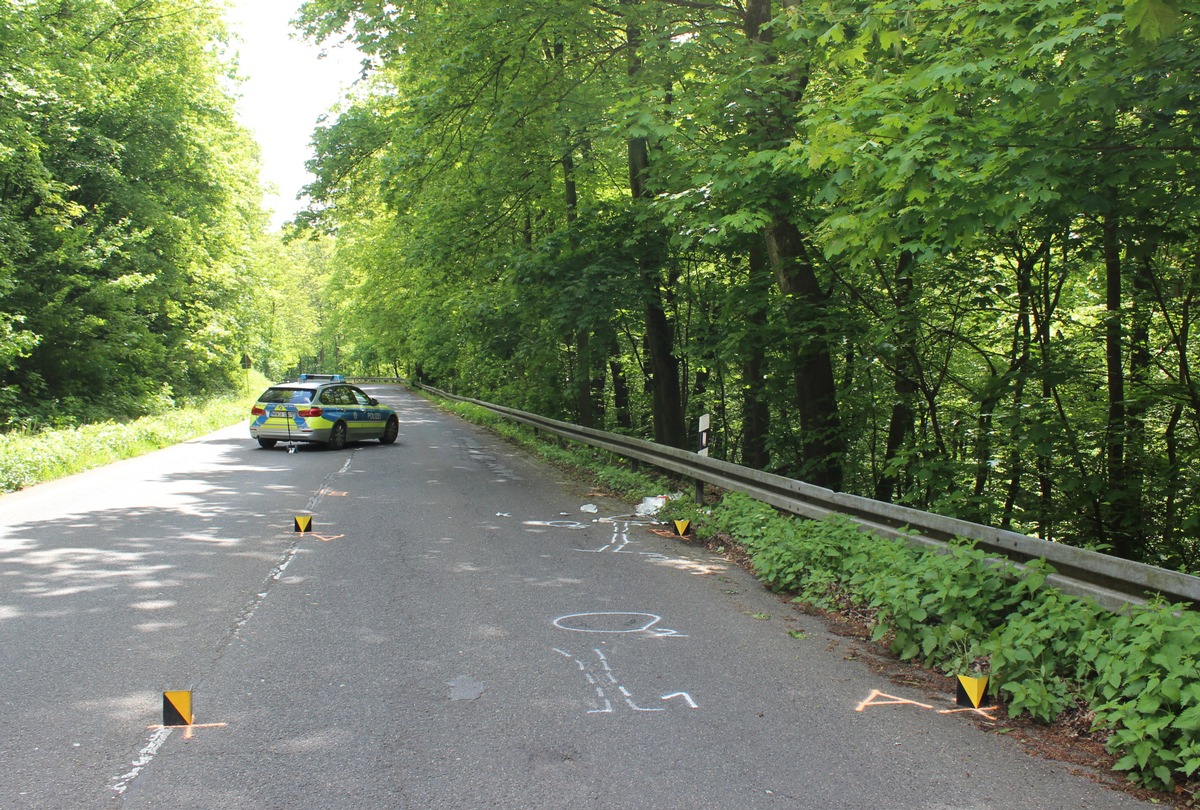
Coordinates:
1113	582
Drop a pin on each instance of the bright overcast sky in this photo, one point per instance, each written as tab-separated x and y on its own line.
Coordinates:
287	89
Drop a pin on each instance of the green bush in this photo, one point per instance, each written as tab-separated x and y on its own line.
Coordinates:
1141	677
1037	652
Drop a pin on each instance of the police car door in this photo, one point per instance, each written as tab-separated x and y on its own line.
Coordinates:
370	419
348	410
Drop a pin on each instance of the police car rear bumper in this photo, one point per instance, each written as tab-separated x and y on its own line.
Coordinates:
293	434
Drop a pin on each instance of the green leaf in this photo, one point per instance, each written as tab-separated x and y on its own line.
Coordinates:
1151	20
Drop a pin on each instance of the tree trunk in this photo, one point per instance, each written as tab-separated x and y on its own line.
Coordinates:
620	393
1018	366
812	363
584	362
900	426
669	427
1045	457
1123	542
1134	519
756	411
821	444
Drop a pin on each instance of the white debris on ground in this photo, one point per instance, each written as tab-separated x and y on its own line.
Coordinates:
653	504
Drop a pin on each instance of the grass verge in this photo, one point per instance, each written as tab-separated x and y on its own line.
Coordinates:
28	458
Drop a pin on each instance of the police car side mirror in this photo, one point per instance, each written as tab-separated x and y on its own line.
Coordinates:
373	401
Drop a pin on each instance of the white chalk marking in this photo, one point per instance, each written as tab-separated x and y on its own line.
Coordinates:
557	524
144	758
618	541
616	621
611	678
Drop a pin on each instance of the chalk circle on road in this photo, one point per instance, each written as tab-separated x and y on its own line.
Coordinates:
558	524
609	622
632	520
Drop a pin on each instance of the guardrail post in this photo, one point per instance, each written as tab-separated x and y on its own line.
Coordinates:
699	492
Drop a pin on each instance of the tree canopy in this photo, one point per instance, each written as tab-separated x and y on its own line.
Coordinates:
939	253
130	221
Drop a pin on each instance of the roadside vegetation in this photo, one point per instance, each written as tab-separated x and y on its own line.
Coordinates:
136	266
1133	676
946	259
1130	680
30	457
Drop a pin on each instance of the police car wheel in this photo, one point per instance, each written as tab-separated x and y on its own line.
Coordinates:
267	443
390	431
337	436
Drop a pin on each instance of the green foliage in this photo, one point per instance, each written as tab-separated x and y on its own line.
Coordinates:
1036	654
128	194
1143	681
947	601
28	458
961	611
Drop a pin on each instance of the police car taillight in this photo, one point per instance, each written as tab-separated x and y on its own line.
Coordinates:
256	411
309	412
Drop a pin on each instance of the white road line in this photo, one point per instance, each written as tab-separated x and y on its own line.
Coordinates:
144	758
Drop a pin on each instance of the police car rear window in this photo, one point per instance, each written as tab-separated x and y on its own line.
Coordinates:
295	396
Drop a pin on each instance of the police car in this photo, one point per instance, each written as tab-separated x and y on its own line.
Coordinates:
321	408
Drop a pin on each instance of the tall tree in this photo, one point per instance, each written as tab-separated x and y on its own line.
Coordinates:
132	192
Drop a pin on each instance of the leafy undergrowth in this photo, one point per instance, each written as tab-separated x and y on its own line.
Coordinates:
28	458
1129	680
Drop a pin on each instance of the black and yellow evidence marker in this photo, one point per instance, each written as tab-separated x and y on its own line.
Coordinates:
304	523
177	708
972	691
681	527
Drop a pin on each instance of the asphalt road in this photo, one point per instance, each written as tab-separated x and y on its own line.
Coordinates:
455	632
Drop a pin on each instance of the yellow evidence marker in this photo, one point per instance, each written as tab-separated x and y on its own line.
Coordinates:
177	708
972	691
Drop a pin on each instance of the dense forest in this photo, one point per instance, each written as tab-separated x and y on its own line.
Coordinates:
940	253
133	247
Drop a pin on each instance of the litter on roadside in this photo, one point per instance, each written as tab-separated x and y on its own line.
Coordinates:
653	504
